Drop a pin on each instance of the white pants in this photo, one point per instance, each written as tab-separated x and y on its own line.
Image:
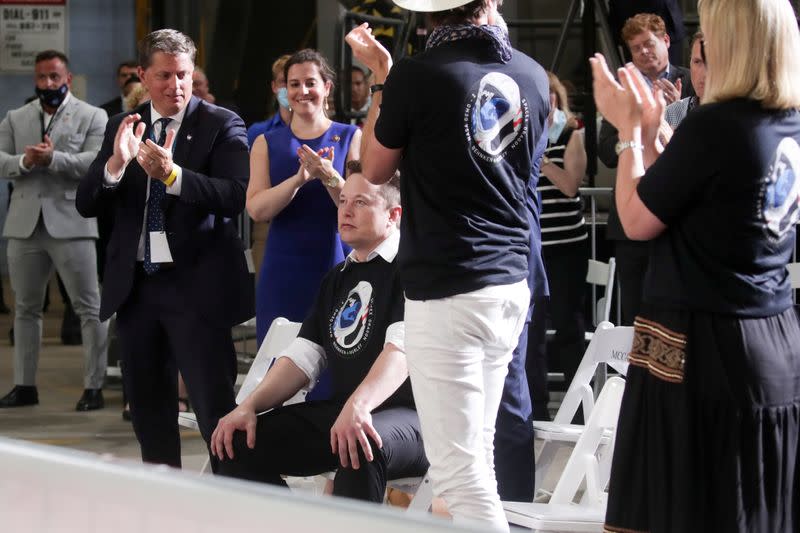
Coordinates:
458	349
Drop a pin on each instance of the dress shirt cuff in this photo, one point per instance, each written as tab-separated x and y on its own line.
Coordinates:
396	334
175	188
308	356
22	167
112	181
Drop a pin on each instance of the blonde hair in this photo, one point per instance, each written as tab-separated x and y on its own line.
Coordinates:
278	64
562	100
137	97
753	51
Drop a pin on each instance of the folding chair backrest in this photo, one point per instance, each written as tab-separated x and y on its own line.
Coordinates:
609	345
602	274
279	336
794	274
583	462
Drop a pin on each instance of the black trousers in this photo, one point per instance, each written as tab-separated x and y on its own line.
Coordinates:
158	336
632	258
295	440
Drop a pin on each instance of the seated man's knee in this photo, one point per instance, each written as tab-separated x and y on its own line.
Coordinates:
367	482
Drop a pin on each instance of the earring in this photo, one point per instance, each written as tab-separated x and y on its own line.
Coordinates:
326	104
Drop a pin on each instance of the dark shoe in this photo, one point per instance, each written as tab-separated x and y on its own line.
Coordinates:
90	400
20	396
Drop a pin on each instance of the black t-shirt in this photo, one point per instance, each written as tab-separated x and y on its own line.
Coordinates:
469	126
728	188
349	320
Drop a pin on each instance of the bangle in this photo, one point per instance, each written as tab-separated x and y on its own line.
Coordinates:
375	88
172	176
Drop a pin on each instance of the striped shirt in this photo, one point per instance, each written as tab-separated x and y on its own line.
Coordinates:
562	217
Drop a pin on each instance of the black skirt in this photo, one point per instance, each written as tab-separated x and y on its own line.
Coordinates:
708	431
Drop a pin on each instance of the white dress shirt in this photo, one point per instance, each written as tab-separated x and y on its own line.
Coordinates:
174	189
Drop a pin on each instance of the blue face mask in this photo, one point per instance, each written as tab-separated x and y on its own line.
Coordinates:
52	97
558	125
283	97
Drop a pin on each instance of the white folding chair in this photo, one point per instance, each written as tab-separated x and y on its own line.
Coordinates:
609	347
280	334
794	274
601	274
590	462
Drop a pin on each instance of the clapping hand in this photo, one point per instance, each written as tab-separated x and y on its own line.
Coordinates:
157	160
672	93
368	50
126	143
318	165
627	104
39	155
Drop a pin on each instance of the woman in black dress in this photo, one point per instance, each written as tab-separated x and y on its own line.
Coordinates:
710	420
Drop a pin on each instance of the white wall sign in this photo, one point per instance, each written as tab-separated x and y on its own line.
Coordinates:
27	28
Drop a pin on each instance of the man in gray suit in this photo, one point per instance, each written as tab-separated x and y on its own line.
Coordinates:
46	147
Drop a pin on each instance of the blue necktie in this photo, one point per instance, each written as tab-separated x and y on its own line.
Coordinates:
155	202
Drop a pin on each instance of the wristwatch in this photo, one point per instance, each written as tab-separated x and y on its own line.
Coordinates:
333	181
375	88
624	145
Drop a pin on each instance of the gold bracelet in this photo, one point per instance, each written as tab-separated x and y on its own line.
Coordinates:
172	176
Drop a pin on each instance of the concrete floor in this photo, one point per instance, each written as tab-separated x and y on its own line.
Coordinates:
60	383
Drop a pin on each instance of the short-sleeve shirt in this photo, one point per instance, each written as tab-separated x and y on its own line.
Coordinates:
468	126
356	303
728	189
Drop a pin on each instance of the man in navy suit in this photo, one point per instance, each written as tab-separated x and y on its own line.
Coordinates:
174	172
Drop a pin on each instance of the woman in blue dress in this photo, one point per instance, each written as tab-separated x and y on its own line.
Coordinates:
295	180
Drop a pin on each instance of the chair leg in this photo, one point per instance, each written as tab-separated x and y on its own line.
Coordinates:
421	502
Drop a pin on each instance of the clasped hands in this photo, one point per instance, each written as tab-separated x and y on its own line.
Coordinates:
316	165
38	155
629	104
155	160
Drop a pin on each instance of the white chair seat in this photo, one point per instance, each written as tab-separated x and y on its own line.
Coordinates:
558	517
188	420
549	431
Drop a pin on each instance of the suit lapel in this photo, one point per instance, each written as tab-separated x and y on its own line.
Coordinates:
184	138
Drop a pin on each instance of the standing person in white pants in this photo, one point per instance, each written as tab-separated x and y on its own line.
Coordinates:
462	120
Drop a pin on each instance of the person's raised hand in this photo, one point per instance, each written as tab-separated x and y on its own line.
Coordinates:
672	92
609	96
126	143
648	108
369	51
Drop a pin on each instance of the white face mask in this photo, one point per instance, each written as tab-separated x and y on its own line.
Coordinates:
558	125
283	97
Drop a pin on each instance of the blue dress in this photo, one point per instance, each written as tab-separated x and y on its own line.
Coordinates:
303	243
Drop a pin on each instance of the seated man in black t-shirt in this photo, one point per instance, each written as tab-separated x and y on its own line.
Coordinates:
356	328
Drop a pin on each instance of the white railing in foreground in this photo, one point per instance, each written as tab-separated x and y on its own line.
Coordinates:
46	489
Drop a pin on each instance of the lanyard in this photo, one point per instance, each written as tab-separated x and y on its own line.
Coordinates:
52	120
